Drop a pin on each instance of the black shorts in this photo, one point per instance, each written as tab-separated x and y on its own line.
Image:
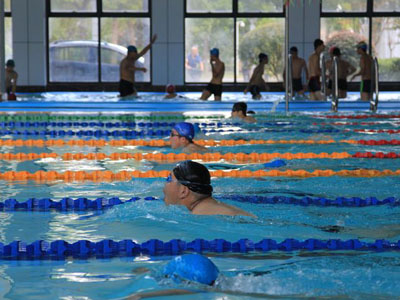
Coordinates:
297	85
314	84
366	86
215	89
342	84
254	90
126	88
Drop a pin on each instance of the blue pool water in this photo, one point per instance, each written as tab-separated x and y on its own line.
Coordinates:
282	275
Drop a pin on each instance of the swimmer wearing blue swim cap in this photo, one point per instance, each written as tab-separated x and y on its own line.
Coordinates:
218	71
189	184
366	63
182	135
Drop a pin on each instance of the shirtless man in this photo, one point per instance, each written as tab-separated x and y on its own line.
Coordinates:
189	184
314	83
127	69
344	70
11	80
298	65
366	62
239	110
182	137
218	70
257	81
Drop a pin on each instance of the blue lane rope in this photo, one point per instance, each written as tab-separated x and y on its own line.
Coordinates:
135	134
124	124
84	204
61	249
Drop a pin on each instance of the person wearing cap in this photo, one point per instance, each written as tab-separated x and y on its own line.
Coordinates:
189	184
257	82
170	92
365	72
344	69
218	71
239	110
182	135
11	77
298	65
127	69
314	69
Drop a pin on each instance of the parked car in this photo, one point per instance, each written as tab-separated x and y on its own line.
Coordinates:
77	61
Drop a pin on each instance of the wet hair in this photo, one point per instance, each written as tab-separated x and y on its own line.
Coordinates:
195	176
336	51
262	56
10	63
132	48
317	43
240	106
294	49
251	112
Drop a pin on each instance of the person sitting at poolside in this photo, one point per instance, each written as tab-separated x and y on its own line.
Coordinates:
127	69
171	93
189	184
257	82
182	137
218	71
239	110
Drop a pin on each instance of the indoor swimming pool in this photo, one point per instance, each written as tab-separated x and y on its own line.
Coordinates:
339	180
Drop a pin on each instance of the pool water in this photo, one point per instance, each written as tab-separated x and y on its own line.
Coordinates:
275	274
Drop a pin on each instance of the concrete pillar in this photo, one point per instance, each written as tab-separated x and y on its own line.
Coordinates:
168	51
29	41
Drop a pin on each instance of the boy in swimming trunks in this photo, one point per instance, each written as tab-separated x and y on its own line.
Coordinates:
344	70
239	110
298	65
189	184
366	62
218	70
127	69
314	83
257	82
182	137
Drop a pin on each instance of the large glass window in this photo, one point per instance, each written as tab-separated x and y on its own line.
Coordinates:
8	30
344	6
88	39
241	29
387	5
7	5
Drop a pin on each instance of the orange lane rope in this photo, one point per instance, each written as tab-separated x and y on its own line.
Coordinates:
233	157
108	176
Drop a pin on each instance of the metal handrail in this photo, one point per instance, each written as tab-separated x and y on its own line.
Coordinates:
375	72
286	59
335	85
290	77
322	65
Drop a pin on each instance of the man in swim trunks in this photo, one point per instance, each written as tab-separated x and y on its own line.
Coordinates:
218	70
366	62
11	77
182	137
344	70
298	65
314	83
257	82
189	184
127	69
239	110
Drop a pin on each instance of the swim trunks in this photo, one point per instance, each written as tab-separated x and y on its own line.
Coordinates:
342	84
297	85
254	90
126	88
366	86
215	89
314	84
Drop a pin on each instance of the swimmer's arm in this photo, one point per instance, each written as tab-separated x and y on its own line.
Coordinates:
350	69
147	48
304	65
362	67
163	293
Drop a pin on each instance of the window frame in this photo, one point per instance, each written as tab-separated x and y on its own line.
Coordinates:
235	14
370	14
98	14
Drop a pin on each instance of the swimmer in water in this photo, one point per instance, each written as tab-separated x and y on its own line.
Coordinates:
189	184
182	137
239	110
171	92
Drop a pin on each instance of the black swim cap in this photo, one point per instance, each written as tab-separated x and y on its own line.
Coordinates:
195	176
240	106
262	56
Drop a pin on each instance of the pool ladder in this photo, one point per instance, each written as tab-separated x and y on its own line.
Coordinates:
335	85
375	75
322	65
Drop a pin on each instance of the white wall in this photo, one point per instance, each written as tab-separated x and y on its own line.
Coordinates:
29	41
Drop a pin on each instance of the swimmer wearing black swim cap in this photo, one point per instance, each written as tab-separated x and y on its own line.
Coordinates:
189	184
182	135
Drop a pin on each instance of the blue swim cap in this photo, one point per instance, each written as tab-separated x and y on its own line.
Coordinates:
362	46
193	267
275	164
214	51
185	129
132	49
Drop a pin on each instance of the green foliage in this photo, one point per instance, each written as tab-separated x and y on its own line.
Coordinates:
209	5
268	38
389	69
